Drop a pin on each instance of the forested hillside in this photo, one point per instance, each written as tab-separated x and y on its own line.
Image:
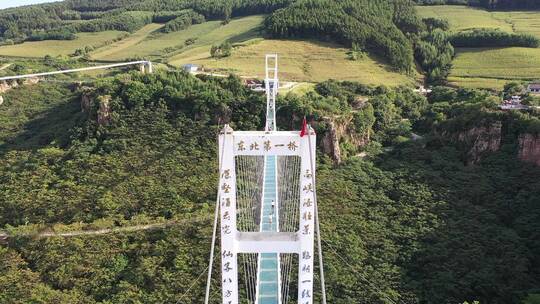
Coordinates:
390	31
380	25
490	4
71	16
418	224
387	29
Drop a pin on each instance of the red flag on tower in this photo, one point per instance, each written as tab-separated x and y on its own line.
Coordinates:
304	128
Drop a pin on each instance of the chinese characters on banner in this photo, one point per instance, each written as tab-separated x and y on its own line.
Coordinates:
227	194
267	146
307	221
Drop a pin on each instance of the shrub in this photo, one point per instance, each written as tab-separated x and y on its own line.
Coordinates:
436	23
60	34
222	50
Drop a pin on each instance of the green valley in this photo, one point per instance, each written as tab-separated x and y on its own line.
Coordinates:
427	152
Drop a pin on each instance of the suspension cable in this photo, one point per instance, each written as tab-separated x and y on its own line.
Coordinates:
216	216
321	268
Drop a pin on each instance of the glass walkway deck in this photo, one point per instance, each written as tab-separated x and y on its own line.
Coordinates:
268	273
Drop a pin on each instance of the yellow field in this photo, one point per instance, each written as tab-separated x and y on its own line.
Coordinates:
300	61
57	47
302	88
206	34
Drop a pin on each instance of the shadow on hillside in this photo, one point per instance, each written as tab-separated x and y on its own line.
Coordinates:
485	245
251	34
52	126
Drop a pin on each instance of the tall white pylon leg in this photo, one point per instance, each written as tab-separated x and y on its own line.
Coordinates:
272	86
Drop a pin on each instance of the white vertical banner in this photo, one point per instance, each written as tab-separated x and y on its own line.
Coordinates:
227	194
307	222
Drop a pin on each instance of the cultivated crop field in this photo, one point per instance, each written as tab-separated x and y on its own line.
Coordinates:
58	47
490	67
302	61
493	67
464	18
522	22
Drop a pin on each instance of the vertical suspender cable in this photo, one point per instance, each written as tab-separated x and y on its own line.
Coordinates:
321	268
216	216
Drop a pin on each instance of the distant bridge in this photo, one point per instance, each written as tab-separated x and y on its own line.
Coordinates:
145	66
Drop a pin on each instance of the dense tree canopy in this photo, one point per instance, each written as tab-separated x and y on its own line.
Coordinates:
415	224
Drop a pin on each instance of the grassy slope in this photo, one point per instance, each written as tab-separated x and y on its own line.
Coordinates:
484	67
463	17
495	66
57	47
237	31
302	61
522	22
111	51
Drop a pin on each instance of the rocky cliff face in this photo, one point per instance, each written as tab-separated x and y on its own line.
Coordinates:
341	130
529	148
330	142
104	111
481	139
485	139
6	86
88	100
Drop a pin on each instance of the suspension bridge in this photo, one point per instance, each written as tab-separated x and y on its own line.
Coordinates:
145	67
266	211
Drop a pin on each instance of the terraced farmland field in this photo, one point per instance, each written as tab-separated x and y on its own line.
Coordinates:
464	17
58	47
494	67
522	22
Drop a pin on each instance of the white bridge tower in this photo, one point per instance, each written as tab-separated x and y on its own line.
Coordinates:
267	210
272	85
